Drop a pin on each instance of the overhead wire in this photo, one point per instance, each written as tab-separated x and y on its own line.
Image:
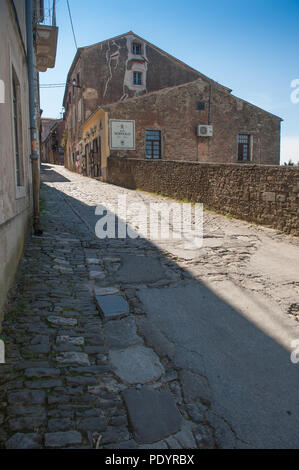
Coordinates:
70	15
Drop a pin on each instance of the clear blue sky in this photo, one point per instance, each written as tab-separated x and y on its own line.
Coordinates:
251	46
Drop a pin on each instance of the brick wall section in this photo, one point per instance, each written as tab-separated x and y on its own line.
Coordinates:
267	195
174	112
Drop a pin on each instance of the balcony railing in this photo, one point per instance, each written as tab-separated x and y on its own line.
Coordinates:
46	35
45	15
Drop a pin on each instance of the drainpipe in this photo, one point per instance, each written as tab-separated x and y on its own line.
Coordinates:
210	103
54	13
33	127
210	113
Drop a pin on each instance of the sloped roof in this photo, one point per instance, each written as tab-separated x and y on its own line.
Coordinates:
48	125
131	33
164	91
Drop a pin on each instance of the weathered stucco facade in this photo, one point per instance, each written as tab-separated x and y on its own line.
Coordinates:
15	174
16	188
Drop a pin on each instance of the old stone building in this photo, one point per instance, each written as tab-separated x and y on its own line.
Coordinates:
112	71
167	126
164	124
171	111
16	111
52	150
46	124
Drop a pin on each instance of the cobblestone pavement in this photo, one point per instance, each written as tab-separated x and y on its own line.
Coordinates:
131	344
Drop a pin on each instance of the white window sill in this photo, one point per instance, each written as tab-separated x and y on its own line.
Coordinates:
137	87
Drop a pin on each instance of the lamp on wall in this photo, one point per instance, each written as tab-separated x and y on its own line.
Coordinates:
74	83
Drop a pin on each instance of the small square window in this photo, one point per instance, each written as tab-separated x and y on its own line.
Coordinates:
136	48
137	78
200	105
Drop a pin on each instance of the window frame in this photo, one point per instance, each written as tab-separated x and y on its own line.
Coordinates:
249	147
152	157
139	74
17	131
136	45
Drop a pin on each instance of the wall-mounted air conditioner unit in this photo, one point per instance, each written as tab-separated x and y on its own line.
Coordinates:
204	131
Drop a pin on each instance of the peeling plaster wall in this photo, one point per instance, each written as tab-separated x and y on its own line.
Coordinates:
133	65
107	70
106	76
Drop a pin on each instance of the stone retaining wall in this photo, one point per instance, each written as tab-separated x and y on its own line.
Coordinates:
262	194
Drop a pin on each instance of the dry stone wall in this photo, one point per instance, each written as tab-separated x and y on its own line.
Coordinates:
262	194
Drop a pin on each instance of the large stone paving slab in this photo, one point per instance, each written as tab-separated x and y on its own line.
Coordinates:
153	415
155	338
140	269
112	306
136	365
195	387
189	360
204	321
122	333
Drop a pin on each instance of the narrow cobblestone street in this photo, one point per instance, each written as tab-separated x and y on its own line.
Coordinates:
131	344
